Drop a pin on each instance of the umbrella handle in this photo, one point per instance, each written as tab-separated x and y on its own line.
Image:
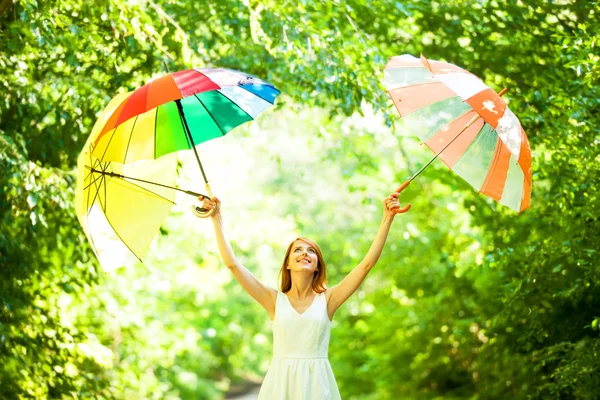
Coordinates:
406	207
201	212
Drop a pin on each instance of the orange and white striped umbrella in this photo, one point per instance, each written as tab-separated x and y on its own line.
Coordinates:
466	123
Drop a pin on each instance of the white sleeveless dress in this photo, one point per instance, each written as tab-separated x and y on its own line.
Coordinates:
300	369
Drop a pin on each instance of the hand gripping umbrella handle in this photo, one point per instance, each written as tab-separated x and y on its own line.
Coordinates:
406	207
202	212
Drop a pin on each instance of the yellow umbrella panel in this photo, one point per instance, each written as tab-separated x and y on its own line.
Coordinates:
118	207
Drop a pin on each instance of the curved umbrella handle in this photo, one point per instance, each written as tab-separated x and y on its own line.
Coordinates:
201	212
406	207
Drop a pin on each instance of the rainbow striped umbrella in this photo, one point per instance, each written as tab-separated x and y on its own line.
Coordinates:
179	111
467	125
127	169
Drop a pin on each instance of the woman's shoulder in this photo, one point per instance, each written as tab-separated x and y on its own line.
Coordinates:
326	293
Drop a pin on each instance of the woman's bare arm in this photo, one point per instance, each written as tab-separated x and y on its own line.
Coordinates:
339	293
263	294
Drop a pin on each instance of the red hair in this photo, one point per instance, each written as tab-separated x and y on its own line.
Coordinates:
319	282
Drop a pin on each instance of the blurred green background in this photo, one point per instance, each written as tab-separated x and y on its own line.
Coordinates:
468	301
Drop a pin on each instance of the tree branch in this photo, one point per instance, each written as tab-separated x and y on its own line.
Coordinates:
5	5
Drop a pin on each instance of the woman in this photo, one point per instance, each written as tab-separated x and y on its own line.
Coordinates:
301	312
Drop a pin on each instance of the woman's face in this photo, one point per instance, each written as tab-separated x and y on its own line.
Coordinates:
303	257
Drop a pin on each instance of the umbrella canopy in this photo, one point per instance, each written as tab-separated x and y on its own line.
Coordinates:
121	216
179	111
126	171
466	123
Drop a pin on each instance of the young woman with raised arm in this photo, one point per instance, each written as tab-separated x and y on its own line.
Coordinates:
302	308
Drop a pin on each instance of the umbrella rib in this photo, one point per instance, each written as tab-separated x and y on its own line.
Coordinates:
148	191
103	204
105	198
471	122
123	241
91	161
101	186
88	194
130	136
111	225
86	176
108	145
97	189
128	178
95	162
93	181
91	237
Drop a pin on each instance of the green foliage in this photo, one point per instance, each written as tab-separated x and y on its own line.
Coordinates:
468	300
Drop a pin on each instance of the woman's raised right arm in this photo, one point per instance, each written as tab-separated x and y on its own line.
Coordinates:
263	294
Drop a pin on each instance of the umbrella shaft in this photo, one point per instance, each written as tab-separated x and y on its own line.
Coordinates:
186	128
471	122
114	175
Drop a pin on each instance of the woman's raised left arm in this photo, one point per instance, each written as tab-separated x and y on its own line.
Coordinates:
339	293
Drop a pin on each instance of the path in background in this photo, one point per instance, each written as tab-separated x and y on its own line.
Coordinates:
244	391
253	395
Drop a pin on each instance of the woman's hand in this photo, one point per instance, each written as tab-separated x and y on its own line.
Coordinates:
391	204
212	204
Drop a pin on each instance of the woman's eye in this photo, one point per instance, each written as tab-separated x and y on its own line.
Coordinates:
311	251
297	250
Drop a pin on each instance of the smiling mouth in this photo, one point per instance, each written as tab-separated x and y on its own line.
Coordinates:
304	259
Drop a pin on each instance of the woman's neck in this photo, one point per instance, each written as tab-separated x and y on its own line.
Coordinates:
301	287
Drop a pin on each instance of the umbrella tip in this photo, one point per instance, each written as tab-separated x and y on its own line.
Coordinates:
502	92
